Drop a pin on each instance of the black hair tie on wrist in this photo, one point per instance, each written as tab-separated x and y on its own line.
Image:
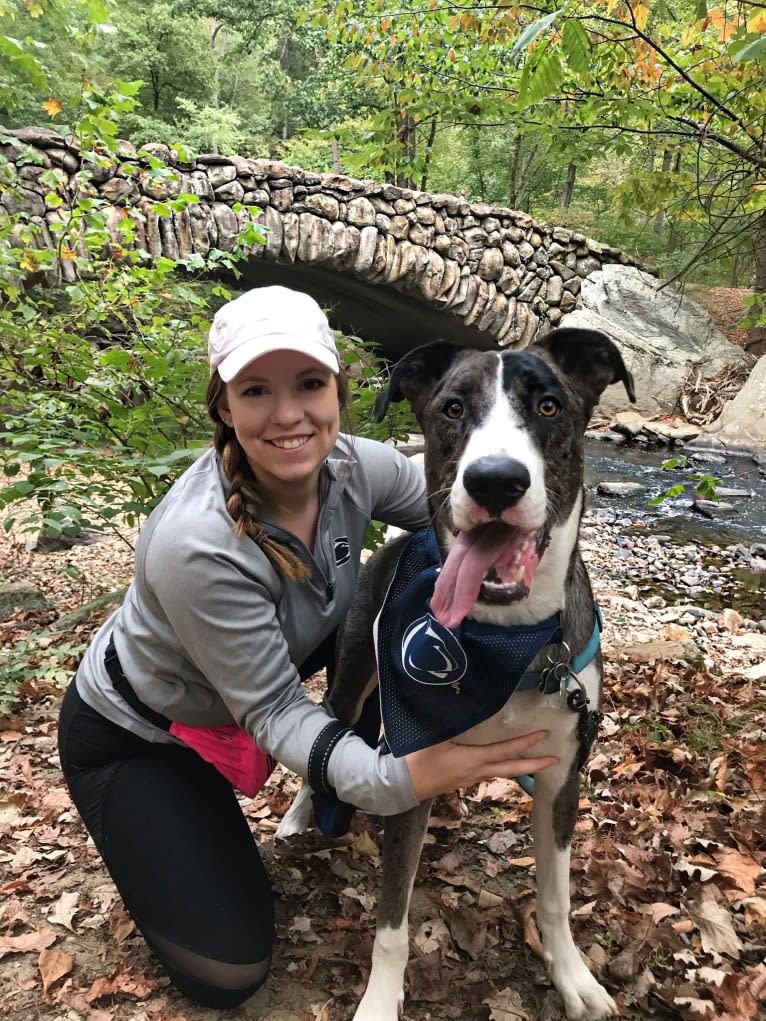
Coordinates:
333	817
319	756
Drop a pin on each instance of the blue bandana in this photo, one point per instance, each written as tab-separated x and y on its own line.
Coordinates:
437	682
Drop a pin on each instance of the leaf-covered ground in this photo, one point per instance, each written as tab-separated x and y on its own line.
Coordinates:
668	881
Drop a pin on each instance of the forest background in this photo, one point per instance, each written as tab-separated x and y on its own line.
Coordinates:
640	123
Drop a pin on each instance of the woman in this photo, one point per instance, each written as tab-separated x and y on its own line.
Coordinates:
242	576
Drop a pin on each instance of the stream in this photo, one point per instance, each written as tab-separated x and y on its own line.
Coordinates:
734	533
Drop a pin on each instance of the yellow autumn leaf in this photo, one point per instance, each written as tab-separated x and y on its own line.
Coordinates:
641	13
758	23
52	107
34	9
29	262
68	253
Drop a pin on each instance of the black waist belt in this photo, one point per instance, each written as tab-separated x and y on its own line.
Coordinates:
121	685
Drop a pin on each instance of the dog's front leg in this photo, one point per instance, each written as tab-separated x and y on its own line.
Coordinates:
402	843
553	818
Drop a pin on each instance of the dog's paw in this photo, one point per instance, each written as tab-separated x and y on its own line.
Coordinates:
585	999
299	817
370	1011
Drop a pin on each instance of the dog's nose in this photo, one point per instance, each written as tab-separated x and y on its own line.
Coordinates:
496	483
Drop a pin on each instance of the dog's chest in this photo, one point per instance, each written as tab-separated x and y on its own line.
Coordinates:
523	713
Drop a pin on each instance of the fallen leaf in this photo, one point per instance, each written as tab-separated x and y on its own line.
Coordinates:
529	924
740	995
740	868
506	1006
426	980
499	791
53	965
135	985
659	910
695	872
28	942
367	900
365	846
316	1012
696	1007
715	925
489	900
432	935
468	927
65	909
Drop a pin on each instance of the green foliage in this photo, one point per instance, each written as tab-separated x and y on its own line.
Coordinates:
756	311
41	657
677	96
104	373
50	53
705	486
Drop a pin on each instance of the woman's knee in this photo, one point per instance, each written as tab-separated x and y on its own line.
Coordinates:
207	994
207	981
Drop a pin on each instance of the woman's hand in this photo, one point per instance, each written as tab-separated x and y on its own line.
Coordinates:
445	767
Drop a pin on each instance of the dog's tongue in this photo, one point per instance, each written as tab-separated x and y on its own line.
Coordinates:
470	557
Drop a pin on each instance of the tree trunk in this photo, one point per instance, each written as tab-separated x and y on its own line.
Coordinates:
429	152
568	192
477	165
215	31
756	340
335	155
406	134
156	89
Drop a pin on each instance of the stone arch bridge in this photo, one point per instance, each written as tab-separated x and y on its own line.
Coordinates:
394	265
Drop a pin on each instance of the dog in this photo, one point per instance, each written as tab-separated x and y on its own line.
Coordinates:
504	452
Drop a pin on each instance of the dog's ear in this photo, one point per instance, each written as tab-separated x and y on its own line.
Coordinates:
591	358
412	375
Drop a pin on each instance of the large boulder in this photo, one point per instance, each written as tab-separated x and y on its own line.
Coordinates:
741	426
664	337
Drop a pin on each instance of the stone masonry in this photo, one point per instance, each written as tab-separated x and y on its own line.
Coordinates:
497	269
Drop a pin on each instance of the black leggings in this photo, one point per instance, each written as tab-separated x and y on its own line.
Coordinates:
179	849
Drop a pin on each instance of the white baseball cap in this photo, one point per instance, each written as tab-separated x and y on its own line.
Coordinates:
269	319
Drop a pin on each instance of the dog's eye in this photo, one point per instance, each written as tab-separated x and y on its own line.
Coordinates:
549	407
453	409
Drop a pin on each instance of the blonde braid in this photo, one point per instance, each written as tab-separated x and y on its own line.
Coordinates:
244	499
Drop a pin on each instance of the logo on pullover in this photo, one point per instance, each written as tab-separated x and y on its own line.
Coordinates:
342	550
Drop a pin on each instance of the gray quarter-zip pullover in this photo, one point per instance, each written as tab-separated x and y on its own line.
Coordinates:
211	634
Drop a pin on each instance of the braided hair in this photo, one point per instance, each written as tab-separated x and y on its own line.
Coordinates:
245	497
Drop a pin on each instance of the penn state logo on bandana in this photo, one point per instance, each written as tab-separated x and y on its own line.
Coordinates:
431	654
342	550
437	682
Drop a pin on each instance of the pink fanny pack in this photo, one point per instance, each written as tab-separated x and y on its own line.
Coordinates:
233	753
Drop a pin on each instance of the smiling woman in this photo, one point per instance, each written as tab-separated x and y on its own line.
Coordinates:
283	408
277	390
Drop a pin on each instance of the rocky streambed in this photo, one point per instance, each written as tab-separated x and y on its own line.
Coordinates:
685	550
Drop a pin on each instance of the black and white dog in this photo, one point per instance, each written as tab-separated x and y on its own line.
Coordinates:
504	435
